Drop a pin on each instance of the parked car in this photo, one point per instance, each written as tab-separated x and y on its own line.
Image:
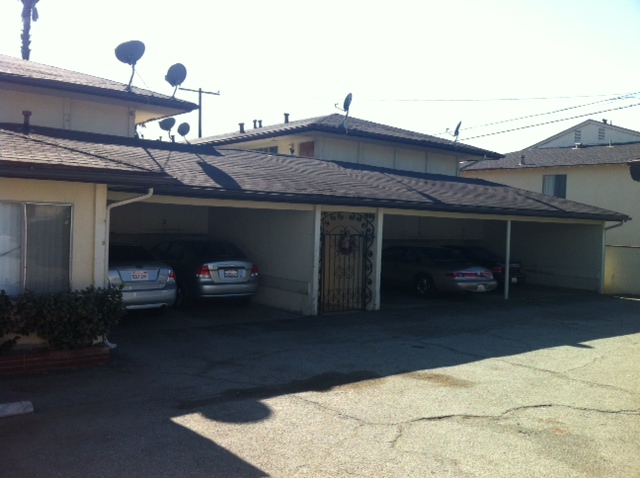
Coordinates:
209	269
484	257
146	282
430	269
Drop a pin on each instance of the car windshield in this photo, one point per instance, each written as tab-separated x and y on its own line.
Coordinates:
441	255
129	252
480	254
215	250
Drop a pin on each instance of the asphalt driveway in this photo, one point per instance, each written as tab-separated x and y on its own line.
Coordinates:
544	385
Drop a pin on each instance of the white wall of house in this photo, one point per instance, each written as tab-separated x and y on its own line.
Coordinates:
88	203
64	112
606	186
622	264
362	152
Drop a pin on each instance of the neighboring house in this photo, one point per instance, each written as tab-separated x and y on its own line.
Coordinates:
314	226
585	163
338	138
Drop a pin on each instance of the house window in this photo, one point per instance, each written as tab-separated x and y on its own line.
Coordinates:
270	150
555	185
307	149
577	136
35	247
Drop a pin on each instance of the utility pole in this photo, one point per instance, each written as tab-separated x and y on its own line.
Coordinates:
200	92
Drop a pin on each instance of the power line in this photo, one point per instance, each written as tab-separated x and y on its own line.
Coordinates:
550	122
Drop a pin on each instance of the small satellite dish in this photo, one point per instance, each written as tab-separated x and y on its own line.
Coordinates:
167	123
176	76
345	107
184	129
347	102
130	52
456	132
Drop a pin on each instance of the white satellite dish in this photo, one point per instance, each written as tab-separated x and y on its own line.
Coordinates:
130	52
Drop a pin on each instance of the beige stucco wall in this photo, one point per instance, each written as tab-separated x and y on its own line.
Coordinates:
369	153
621	270
608	186
88	203
58	111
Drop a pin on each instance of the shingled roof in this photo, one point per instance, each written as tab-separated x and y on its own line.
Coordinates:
553	157
202	171
353	127
23	72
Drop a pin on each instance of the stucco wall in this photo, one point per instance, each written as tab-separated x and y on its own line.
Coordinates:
88	203
61	112
609	187
621	270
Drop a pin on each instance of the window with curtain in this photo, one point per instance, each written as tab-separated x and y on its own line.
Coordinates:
555	185
35	247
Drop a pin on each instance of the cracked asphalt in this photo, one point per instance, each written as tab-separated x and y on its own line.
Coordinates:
546	384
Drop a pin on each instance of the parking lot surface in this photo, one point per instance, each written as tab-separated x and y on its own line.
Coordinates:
545	384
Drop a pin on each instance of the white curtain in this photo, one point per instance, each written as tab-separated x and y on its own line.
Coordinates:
11	228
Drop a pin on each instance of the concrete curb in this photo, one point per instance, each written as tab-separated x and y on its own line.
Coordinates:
16	408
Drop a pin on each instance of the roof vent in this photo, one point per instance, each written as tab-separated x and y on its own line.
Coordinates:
577	146
259	123
255	124
241	127
26	127
521	162
286	117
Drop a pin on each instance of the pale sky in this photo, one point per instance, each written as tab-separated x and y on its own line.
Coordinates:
422	65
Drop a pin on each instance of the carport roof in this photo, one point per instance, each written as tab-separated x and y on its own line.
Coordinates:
202	171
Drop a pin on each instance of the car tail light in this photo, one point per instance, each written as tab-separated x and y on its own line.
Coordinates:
203	272
497	270
172	276
254	271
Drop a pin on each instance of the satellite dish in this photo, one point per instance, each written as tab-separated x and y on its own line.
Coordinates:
130	52
176	75
184	129
456	132
167	123
347	102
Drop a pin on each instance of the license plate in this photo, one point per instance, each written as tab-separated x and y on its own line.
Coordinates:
140	275
481	288
514	280
230	273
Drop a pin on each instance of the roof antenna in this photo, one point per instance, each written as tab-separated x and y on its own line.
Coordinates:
456	132
345	107
176	76
130	52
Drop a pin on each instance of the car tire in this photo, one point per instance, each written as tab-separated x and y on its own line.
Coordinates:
424	286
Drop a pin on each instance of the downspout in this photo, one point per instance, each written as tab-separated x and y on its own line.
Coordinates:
108	226
613	226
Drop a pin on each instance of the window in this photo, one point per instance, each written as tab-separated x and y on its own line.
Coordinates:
555	185
307	149
35	247
270	150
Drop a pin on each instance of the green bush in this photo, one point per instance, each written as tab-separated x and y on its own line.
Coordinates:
66	320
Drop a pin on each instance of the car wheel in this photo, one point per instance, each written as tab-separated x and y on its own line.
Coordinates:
424	286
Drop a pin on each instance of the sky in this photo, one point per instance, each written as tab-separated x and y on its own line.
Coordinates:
513	72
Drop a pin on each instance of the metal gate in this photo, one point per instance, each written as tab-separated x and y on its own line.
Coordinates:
345	262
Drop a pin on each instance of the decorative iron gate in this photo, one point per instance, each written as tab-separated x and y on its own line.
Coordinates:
346	263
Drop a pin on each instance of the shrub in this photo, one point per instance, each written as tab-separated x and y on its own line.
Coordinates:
66	320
